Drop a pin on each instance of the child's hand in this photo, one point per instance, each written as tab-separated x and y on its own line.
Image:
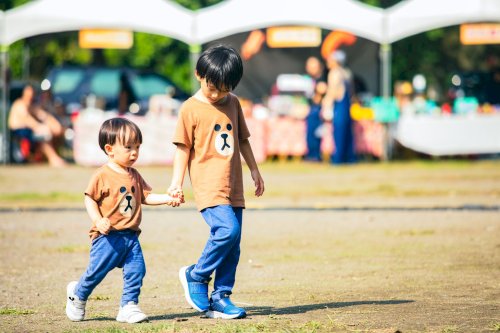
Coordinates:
176	192
174	202
259	182
103	225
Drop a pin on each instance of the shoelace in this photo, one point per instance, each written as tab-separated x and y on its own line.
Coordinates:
77	303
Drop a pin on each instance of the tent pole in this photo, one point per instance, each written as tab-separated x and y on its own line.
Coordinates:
5	133
385	55
194	53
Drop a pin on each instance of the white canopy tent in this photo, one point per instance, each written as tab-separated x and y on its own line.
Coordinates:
412	17
234	16
164	17
46	16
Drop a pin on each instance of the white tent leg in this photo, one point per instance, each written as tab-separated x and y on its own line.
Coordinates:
5	133
386	56
385	63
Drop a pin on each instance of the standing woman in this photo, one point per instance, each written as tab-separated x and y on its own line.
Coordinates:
337	104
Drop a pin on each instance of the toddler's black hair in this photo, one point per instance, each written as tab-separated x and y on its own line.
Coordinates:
119	130
221	66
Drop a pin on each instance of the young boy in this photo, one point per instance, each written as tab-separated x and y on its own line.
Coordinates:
211	133
113	201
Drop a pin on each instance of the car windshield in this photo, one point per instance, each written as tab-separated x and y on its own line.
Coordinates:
146	85
105	83
67	80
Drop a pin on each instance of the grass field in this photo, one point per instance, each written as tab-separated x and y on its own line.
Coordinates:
409	247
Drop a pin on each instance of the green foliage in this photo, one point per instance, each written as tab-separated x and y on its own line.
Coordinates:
197	4
8	4
381	3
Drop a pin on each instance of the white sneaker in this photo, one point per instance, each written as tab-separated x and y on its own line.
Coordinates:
75	309
131	314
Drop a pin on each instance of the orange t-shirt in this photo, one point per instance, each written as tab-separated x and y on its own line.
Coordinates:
213	133
119	197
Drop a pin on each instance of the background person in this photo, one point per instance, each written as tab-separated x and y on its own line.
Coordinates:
30	121
314	122
337	107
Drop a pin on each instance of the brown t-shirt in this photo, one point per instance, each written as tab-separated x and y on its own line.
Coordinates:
119	197
213	133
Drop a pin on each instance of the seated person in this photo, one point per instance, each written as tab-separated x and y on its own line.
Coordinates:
29	120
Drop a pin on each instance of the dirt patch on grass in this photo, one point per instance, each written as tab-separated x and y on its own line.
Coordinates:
300	271
408	247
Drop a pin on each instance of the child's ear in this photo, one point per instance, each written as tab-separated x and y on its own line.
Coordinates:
108	149
198	77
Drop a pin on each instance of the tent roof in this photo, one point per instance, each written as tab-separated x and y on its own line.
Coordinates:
411	17
234	16
46	16
164	17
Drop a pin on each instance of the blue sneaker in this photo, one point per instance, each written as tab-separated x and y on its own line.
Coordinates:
225	309
196	293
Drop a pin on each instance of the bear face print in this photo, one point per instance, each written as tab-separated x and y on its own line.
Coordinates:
224	141
128	202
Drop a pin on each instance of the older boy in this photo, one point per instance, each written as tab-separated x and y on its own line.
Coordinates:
211	133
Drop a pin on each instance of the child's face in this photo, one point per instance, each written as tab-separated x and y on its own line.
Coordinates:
211	93
125	155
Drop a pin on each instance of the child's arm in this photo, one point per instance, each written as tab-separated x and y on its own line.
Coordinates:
246	152
181	159
161	199
102	223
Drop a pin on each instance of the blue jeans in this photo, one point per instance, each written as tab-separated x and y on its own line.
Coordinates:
118	249
222	251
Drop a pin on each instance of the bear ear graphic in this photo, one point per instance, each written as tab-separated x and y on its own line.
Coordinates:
217	127
229	127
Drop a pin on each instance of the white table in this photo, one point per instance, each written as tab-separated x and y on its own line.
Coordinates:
441	135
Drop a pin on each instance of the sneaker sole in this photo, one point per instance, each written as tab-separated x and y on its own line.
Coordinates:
182	277
69	292
222	315
122	320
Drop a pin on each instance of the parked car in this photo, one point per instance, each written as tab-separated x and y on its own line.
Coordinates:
74	84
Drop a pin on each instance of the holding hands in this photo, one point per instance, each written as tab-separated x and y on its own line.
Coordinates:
176	193
163	199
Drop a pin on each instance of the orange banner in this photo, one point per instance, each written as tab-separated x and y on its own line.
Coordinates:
105	39
482	33
293	37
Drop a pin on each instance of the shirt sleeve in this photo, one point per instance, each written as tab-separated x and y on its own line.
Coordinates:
95	187
243	132
146	189
184	131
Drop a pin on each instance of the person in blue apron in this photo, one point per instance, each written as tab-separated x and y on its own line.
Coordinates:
336	107
314	121
314	124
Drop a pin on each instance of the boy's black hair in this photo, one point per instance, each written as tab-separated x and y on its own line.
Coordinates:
118	130
221	66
